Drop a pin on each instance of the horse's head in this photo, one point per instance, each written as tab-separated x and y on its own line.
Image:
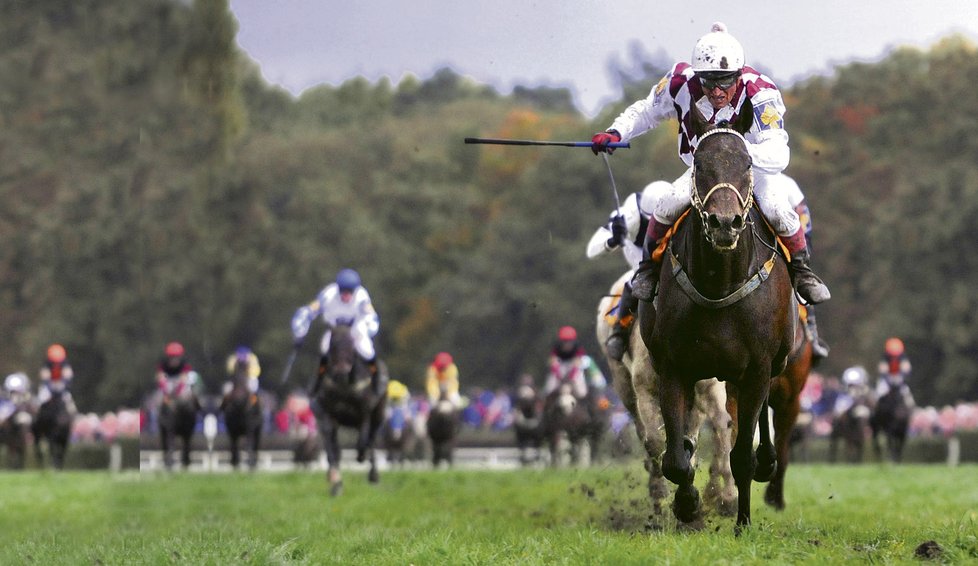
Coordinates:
342	353
723	182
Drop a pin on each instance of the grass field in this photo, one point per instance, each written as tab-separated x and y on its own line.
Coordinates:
836	514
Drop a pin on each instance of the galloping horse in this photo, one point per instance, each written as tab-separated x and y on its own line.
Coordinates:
891	418
527	411
725	310
242	416
345	398
53	424
442	429
785	402
565	425
398	435
178	418
15	431
637	386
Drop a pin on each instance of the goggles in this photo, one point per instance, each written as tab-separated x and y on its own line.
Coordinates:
722	82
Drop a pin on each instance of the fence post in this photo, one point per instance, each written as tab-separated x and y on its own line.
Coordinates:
953	451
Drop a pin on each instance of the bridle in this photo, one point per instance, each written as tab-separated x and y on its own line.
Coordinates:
700	204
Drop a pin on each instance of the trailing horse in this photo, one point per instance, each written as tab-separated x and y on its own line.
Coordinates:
527	412
785	402
15	434
398	435
891	419
442	425
178	419
565	426
726	309
242	417
637	386
53	427
345	397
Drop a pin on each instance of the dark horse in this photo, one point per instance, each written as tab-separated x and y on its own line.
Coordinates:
15	432
398	435
442	430
178	418
345	398
242	417
527	411
566	424
785	401
725	310
53	424
891	418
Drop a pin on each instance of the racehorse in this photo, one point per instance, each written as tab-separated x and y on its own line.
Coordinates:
442	430
398	435
178	418
527	411
53	425
242	417
345	397
785	402
891	418
850	427
565	425
15	433
637	386
725	310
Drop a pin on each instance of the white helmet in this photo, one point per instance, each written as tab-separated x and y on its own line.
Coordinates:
16	382
652	194
718	51
855	375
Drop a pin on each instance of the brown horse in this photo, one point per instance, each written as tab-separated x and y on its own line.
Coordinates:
785	401
725	310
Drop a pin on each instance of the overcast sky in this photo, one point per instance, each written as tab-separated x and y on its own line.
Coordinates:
568	43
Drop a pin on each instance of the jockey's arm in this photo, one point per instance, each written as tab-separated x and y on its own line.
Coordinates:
767	138
303	318
647	113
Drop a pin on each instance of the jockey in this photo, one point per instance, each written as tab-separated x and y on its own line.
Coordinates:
345	301
569	364
856	390
247	361
719	84
56	375
174	375
894	370
796	198
443	374
397	394
625	230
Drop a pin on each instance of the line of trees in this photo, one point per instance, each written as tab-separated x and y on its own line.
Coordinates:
155	188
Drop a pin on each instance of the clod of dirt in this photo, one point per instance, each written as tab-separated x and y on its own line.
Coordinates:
928	550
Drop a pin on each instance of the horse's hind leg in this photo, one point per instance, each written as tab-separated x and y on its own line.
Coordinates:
253	457
185	455
167	450
711	398
235	451
675	402
784	422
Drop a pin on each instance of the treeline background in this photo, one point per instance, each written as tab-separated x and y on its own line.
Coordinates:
154	188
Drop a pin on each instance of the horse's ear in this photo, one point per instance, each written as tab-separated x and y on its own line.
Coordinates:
745	118
698	122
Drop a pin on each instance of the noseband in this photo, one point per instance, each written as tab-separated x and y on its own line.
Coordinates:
700	204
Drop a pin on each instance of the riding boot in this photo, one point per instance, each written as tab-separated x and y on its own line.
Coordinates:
646	278
617	342
806	283
820	350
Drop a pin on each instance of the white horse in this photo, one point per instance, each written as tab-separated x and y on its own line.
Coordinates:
637	385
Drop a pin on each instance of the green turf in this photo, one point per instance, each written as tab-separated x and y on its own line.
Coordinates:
863	514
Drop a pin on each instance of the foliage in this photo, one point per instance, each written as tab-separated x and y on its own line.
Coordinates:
157	189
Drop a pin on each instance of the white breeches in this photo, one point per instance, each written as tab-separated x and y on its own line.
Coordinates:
770	191
362	341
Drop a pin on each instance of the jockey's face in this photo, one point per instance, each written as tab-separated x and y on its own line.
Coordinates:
720	97
346	296
567	346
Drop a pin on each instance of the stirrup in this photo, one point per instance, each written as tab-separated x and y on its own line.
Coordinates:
615	345
644	284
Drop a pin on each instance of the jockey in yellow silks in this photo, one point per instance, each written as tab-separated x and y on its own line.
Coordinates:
443	375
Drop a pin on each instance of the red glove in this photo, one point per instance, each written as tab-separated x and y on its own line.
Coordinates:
601	140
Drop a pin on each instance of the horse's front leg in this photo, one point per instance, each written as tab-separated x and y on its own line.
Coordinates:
748	398
255	442
235	451
675	402
164	443
328	430
185	460
710	401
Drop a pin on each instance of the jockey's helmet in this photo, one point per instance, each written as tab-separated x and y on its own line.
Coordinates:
855	375
174	350
56	353
653	193
717	52
567	333
894	346
443	360
242	353
348	280
396	390
16	383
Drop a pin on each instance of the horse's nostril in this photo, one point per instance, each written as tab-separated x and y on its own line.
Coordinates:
738	222
713	221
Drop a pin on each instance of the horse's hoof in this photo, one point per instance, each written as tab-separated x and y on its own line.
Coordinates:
373	476
686	505
773	498
336	489
767	466
361	456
